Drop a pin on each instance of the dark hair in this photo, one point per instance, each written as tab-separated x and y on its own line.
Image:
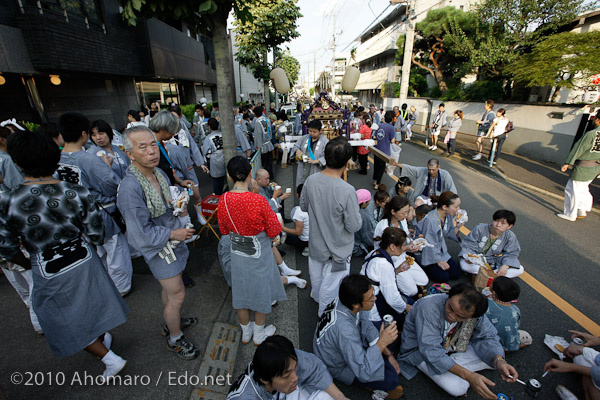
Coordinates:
337	152
390	236
49	129
144	111
135	114
389	116
71	124
281	115
423	209
353	288
272	358
381	194
502	111
298	108
315	124
402	181
471	299
198	107
239	168
176	109
441	105
258	111
490	103
213	124
509	216
4	132
35	153
404	106
396	204
459	113
299	189
506	289
447	198
102	126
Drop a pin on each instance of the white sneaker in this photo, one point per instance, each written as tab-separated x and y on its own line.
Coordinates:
261	333
434	148
430	147
247	332
477	157
114	364
563	216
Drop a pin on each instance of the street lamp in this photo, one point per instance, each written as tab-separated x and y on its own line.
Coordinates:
242	97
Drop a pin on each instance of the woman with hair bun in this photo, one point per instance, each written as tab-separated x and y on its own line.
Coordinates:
251	224
436	226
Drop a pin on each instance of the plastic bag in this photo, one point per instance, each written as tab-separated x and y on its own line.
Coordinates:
395	155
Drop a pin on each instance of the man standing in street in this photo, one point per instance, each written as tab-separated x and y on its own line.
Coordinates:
334	216
585	160
484	126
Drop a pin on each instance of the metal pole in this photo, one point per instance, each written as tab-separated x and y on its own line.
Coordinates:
408	49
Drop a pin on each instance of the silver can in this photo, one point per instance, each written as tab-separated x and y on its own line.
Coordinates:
577	341
387	320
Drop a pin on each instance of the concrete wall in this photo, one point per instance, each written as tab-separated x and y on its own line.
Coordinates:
536	134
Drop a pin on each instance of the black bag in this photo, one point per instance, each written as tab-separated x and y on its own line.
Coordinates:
119	220
509	127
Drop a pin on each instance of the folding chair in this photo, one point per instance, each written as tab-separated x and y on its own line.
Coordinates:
208	222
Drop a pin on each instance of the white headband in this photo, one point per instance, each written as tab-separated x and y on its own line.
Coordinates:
12	122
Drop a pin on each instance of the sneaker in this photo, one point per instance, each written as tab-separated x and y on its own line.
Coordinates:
305	252
430	147
185	323
477	157
563	216
581	214
183	348
434	148
261	333
494	163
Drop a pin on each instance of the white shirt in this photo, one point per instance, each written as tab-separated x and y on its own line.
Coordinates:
381	271
299	215
381	225
500	127
135	123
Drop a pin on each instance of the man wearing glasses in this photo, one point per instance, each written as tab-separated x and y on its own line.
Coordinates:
448	338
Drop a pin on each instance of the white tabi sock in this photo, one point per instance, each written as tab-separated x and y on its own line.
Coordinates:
301	283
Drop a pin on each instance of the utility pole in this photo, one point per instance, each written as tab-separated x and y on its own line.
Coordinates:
408	49
314	70
333	47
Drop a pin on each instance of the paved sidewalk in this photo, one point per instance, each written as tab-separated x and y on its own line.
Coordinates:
535	175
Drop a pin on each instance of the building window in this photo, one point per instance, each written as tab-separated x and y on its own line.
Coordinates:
75	8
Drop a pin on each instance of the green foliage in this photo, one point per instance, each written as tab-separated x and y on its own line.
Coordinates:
188	111
434	92
483	90
272	23
434	48
290	65
399	56
32	126
390	89
453	93
417	82
565	55
311	91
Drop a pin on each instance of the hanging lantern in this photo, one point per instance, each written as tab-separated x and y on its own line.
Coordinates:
55	80
2	80
350	79
282	84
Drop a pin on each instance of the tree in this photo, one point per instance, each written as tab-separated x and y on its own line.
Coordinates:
290	65
204	16
272	23
563	60
433	48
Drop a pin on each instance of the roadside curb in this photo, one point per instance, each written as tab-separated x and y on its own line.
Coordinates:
492	171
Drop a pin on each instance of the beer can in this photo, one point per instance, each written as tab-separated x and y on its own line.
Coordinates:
387	320
577	341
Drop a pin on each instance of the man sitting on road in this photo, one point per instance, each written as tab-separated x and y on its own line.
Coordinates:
350	345
428	181
273	195
497	243
448	338
278	371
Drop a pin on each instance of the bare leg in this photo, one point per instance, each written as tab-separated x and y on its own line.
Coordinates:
173	294
479	144
97	348
277	254
591	391
260	318
284	280
244	316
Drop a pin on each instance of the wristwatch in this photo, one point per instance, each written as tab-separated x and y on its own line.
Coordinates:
498	358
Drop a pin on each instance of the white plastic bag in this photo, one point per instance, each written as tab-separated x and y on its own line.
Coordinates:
395	155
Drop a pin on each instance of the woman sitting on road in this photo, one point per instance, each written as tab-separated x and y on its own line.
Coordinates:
436	226
251	224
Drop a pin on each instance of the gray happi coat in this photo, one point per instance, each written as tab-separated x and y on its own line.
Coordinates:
319	153
420	177
347	345
504	251
431	229
422	338
263	132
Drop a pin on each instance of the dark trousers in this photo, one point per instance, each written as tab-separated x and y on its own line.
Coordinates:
218	184
363	160
451	145
379	169
389	382
267	163
499	142
294	240
438	275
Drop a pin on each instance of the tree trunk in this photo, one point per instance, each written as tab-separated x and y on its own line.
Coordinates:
224	78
